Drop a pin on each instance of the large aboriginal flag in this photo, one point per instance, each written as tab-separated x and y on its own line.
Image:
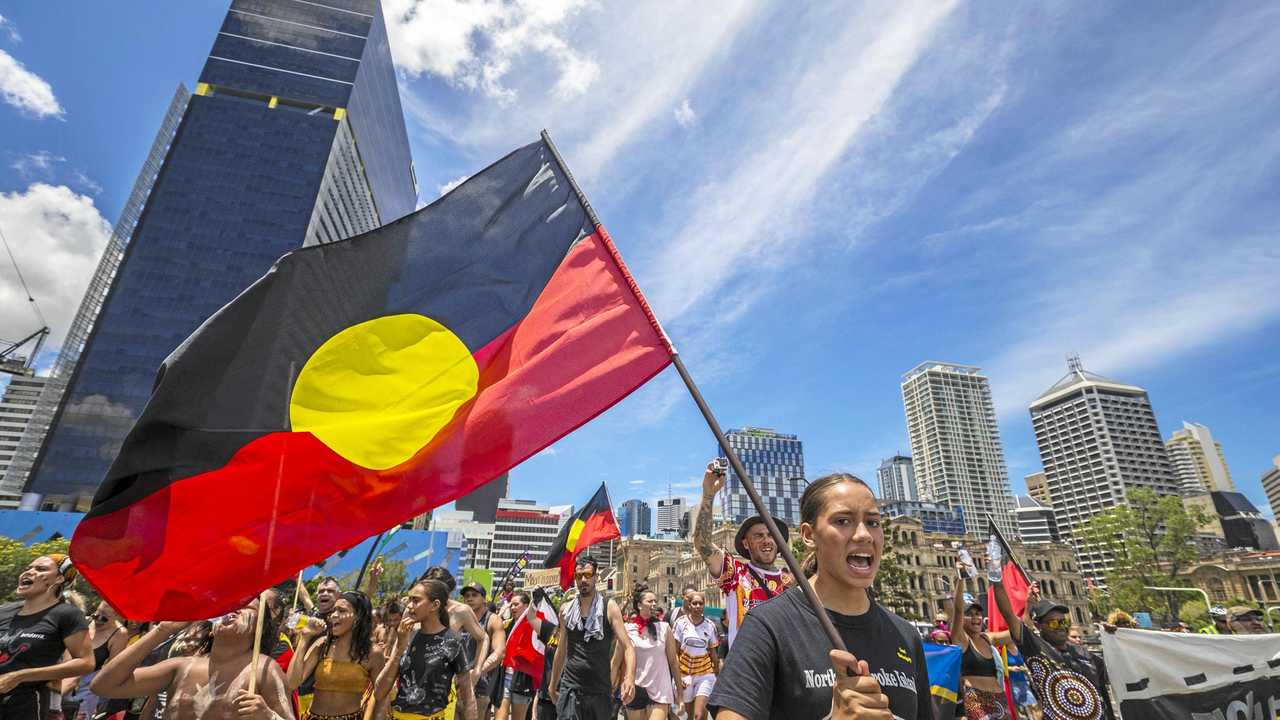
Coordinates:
592	524
363	382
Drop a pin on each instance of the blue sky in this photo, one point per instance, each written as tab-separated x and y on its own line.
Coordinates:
814	200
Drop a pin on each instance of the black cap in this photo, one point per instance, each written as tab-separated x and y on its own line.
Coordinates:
971	604
1044	607
749	523
474	587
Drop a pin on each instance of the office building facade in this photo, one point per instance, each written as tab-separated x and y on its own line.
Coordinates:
1271	486
933	517
17	411
670	516
522	526
1036	523
294	136
1198	461
955	443
482	502
1038	488
897	479
1098	440
775	463
635	517
478	535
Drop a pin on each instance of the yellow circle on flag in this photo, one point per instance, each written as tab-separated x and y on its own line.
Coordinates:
377	392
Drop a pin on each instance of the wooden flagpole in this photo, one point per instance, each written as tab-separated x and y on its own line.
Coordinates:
783	547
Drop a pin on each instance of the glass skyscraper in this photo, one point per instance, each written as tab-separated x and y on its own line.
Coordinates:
294	136
775	463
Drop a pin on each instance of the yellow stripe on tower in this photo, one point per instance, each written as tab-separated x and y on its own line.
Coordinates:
571	543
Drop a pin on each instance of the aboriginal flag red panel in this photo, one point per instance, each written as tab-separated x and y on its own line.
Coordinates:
361	383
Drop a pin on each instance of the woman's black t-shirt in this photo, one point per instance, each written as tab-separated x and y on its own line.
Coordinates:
427	670
36	640
779	668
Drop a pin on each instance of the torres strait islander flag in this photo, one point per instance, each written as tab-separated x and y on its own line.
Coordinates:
592	524
363	382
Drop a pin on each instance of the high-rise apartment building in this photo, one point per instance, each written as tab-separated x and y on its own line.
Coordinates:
955	443
294	136
635	517
1036	524
1038	487
1198	462
482	502
897	479
934	517
775	463
1098	440
523	526
17	408
1271	486
479	535
670	515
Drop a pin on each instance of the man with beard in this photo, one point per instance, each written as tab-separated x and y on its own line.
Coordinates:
205	687
744	584
1069	683
589	625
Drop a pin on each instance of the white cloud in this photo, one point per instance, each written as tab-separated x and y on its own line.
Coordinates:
684	114
549	451
448	187
475	44
37	164
9	29
90	185
57	237
758	208
25	90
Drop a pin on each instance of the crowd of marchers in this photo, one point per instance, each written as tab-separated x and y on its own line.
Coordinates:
440	651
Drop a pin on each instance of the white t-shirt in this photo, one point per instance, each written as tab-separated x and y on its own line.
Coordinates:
696	642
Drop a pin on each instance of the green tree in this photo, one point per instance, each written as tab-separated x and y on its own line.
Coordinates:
1150	542
1195	614
892	584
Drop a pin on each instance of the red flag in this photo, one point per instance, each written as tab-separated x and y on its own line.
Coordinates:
526	652
362	382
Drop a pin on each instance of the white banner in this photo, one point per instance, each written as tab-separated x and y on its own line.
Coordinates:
1173	676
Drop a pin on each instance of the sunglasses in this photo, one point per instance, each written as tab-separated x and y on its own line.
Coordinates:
585	574
99	618
1059	624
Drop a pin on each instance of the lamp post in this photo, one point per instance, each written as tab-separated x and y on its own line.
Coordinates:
1205	595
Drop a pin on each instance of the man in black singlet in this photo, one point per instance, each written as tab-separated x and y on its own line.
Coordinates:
589	625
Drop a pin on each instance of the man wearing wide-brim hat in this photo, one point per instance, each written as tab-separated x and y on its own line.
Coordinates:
750	579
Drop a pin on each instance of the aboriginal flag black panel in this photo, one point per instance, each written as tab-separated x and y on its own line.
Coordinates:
363	382
593	523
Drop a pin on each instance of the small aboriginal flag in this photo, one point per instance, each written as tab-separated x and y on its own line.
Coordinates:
1015	581
363	382
592	524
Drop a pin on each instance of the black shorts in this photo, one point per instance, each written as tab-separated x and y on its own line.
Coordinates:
571	705
25	702
640	700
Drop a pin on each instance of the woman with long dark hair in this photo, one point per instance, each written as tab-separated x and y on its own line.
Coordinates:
34	634
343	662
657	666
782	664
981	674
427	660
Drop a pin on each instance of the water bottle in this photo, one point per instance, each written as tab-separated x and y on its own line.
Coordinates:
995	560
967	570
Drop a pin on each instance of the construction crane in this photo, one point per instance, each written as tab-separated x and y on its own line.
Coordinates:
10	362
15	364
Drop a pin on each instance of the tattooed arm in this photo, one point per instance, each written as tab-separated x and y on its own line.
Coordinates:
713	556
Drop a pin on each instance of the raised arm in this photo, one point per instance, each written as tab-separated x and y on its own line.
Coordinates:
958	634
712	482
1006	611
307	657
391	668
122	678
627	689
